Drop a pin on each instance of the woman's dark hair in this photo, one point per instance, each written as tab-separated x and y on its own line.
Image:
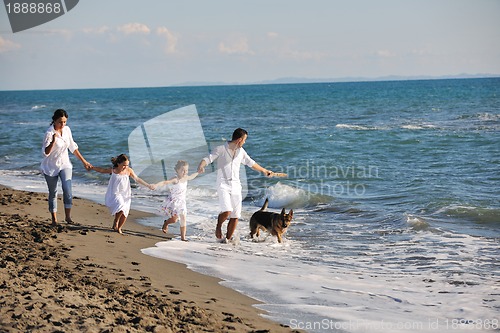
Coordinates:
59	113
119	159
239	133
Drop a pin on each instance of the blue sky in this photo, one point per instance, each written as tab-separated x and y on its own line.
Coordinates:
137	43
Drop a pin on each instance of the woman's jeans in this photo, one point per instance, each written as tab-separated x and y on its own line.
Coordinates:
65	175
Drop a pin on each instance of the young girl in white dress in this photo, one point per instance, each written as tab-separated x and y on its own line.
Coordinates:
174	206
119	194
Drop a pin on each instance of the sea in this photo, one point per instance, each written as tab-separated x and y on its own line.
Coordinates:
394	187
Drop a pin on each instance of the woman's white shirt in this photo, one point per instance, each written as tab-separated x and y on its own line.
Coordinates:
58	159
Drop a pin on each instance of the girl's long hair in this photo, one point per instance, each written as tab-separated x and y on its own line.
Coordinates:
119	159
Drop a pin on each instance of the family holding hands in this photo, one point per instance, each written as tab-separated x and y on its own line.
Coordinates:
57	165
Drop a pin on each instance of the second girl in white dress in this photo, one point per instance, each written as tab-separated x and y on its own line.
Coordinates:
174	206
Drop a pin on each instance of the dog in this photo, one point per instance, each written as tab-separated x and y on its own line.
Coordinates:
274	223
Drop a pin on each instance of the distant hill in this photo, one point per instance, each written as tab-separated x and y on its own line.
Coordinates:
290	80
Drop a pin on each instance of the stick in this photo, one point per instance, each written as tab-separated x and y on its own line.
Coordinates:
279	174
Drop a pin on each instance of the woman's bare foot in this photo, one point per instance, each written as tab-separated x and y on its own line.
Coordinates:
53	217
120	231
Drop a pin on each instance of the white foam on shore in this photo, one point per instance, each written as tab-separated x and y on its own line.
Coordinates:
390	288
379	298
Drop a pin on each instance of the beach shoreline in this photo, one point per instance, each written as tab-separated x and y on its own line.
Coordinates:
85	277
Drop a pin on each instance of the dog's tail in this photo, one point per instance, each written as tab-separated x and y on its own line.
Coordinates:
264	207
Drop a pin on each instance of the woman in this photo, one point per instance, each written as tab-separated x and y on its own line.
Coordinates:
56	163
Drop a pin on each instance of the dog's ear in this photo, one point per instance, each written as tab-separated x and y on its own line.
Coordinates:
290	213
283	211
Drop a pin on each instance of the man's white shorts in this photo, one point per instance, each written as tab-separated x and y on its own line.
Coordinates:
230	199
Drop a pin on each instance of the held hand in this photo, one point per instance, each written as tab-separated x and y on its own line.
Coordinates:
201	166
88	166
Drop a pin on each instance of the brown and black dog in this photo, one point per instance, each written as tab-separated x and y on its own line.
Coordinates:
274	223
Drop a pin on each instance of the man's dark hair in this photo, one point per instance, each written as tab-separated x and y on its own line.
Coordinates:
239	133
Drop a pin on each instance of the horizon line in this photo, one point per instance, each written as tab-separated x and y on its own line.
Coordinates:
286	80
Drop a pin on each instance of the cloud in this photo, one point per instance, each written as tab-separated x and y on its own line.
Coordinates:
134	28
385	54
99	31
8	45
278	46
305	55
65	33
237	46
171	39
421	52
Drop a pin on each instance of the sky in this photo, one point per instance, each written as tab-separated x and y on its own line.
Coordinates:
153	43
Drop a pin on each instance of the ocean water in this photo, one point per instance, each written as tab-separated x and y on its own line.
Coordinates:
395	188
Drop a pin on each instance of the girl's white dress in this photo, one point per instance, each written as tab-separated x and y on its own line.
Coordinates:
119	194
175	202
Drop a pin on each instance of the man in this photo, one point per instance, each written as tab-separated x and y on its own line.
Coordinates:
229	158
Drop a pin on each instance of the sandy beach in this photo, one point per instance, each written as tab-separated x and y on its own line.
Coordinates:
85	278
